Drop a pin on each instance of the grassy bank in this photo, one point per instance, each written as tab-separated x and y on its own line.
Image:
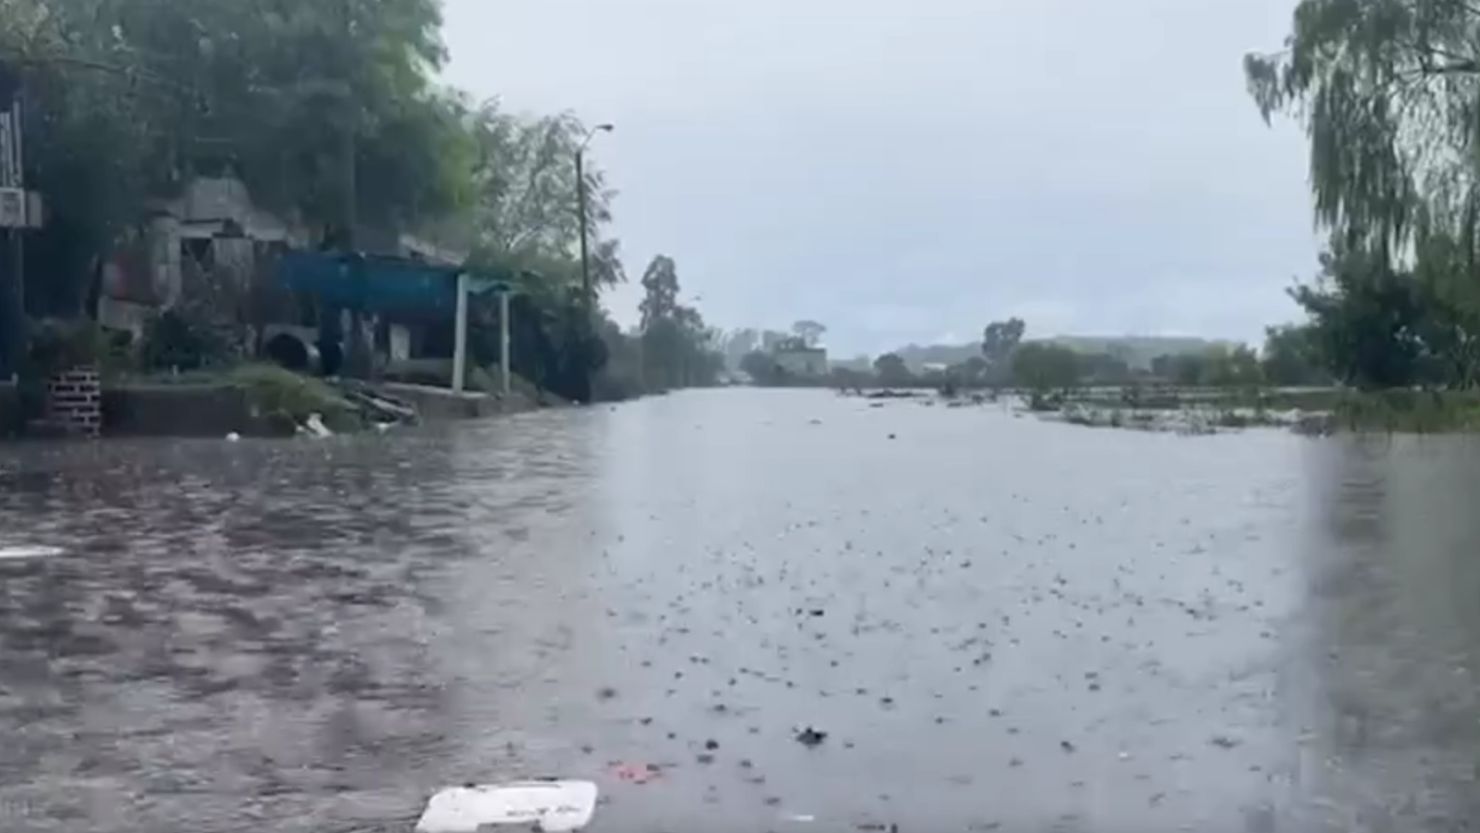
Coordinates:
1392	411
1409	411
286	399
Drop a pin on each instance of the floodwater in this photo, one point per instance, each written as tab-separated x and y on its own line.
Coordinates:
998	623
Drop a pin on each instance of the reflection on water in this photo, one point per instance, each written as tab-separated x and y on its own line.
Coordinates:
1393	573
999	623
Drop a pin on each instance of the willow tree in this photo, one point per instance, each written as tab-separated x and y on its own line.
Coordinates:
1389	93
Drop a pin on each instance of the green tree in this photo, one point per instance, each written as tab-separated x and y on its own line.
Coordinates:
660	291
1364	320
810	332
891	370
1044	367
1289	357
1000	339
1231	367
761	368
523	215
679	350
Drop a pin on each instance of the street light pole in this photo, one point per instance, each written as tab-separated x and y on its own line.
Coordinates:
581	210
588	296
586	293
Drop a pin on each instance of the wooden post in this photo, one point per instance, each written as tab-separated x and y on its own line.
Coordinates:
503	335
460	343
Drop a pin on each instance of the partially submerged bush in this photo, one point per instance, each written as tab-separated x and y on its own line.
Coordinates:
282	398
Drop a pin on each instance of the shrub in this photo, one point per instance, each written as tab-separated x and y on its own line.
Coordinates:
283	397
173	341
58	345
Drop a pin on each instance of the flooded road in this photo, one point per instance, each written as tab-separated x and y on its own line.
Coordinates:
988	623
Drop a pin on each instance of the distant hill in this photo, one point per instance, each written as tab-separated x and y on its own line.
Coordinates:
1137	351
917	355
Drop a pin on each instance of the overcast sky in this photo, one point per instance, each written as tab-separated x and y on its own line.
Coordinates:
908	170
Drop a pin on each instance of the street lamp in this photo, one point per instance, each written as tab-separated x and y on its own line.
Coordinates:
588	300
581	208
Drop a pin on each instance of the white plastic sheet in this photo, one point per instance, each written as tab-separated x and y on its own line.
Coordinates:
552	805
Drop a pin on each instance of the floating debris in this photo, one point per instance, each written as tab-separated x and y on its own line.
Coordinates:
636	773
21	553
554	806
810	737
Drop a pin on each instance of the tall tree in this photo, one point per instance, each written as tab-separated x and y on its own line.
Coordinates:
892	370
1043	367
524	208
810	332
1001	338
1289	356
660	288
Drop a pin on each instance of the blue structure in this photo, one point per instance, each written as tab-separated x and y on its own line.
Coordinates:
374	283
393	286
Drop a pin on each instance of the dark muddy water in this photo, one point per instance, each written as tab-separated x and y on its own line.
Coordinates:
998	623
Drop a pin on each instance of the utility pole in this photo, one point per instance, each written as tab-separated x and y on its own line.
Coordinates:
505	365
588	296
586	292
357	359
581	210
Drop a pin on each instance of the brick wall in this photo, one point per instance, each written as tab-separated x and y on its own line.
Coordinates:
74	402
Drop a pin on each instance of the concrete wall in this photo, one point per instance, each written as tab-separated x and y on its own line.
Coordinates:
10	410
177	411
118	314
437	404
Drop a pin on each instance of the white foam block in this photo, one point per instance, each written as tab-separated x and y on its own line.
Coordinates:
553	805
28	552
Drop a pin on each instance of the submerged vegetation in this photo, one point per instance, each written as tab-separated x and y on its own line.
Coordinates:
285	399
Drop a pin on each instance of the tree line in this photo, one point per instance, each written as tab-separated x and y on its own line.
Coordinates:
1006	359
332	116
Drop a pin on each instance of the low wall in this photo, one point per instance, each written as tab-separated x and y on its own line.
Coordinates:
10	410
442	404
177	411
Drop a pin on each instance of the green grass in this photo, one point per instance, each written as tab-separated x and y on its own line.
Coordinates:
287	398
1409	411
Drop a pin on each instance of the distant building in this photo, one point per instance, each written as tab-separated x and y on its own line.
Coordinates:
796	358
